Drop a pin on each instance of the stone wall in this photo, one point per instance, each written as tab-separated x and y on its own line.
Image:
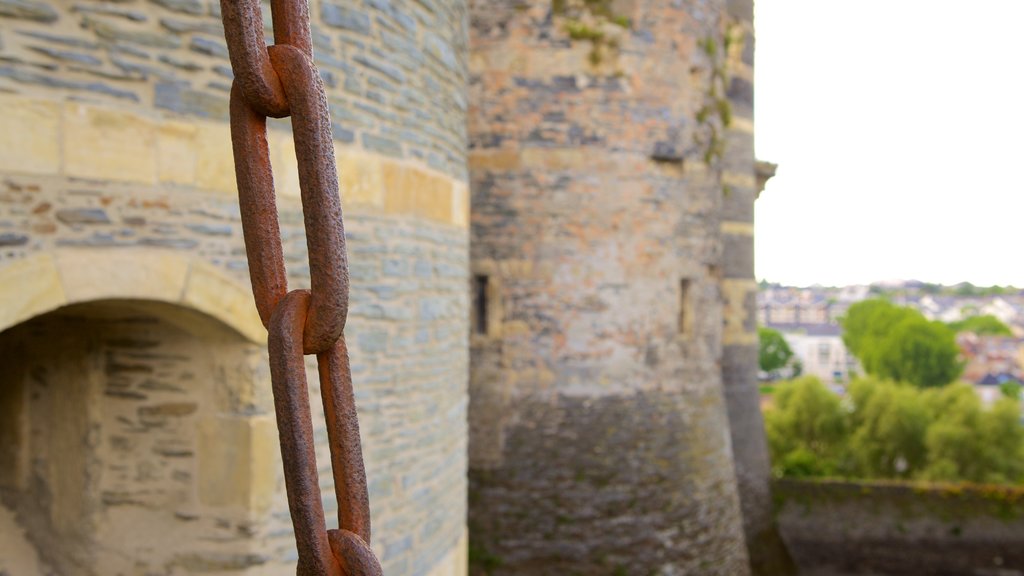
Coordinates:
116	183
599	440
838	528
740	187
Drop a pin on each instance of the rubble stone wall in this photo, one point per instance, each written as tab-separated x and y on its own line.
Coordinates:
599	438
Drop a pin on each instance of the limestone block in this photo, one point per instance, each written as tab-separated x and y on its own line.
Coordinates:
236	462
498	160
176	152
88	275
286	167
128	152
432	195
460	205
398	194
29	141
360	178
739	327
737	228
215	164
29	287
211	291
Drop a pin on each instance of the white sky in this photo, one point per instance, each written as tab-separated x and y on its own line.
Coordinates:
898	127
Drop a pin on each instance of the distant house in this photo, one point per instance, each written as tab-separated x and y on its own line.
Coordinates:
820	349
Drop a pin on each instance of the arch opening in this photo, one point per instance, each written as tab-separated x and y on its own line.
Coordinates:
126	432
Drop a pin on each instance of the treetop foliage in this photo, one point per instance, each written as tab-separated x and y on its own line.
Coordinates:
899	343
982	325
774	352
883	429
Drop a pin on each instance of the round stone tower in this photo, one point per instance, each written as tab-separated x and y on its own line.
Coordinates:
137	430
599	438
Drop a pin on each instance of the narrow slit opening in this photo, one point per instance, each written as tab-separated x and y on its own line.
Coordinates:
684	306
480	304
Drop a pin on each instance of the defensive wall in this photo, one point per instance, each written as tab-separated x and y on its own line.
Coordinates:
839	528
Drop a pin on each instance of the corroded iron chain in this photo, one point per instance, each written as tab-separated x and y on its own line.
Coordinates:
279	81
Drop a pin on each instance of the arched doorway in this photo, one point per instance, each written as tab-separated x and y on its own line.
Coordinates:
129	435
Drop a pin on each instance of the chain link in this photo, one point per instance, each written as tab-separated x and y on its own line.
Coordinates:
280	81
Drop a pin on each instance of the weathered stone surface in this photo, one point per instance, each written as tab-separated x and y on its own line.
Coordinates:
83	216
836	527
163	181
67	55
598	427
195	7
132	15
208	46
28	10
129	145
9	239
345	17
29	141
119	33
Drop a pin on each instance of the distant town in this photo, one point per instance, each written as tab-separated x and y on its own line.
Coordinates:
810	321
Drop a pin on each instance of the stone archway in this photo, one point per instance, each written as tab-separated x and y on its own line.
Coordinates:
136	427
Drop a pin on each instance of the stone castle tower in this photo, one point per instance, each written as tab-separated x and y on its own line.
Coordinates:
612	181
601	283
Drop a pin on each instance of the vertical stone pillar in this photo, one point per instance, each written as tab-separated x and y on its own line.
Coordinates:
599	439
740	182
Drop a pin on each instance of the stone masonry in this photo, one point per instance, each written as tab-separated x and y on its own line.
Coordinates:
600	177
605	303
148	444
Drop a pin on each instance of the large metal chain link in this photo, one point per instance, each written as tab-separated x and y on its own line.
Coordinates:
280	81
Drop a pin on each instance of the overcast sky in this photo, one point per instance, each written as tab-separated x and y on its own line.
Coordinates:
898	127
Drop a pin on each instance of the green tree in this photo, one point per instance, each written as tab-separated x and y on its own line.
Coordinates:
774	353
869	321
917	351
987	324
967	443
885	429
889	424
1010	389
806	429
898	343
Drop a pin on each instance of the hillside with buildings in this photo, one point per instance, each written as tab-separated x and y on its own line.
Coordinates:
810	320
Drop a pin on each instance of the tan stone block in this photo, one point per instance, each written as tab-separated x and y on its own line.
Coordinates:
742	124
737	228
28	288
360	178
398	194
460	204
176	152
286	166
739	179
462	555
498	160
231	471
559	158
735	293
95	274
128	152
432	195
215	164
263	462
213	292
30	138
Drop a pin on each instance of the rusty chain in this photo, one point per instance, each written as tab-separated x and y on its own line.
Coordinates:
279	81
